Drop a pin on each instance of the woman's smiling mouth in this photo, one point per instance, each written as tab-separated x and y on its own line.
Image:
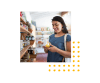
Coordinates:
55	29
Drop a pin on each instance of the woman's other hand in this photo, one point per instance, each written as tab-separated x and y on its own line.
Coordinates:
53	48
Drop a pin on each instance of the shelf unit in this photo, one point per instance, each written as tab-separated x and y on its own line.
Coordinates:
24	32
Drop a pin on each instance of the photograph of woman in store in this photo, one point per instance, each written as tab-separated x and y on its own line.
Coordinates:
59	45
45	36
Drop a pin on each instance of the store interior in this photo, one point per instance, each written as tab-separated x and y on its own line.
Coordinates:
35	29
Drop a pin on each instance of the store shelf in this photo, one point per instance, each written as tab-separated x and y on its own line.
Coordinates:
22	52
22	20
22	29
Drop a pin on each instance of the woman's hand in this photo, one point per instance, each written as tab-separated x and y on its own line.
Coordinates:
53	48
45	49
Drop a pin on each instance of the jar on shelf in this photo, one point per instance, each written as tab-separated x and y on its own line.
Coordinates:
32	38
21	45
30	50
29	37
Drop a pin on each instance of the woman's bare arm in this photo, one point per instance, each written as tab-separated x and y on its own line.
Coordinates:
67	53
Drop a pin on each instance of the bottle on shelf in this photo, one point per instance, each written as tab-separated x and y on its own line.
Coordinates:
21	45
32	37
27	37
32	50
47	28
21	14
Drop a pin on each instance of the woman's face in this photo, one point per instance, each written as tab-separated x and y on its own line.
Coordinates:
57	26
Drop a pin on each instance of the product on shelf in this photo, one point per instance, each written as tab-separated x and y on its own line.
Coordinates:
42	33
42	29
32	50
47	29
40	42
26	42
29	37
39	33
21	45
21	14
40	45
32	38
38	29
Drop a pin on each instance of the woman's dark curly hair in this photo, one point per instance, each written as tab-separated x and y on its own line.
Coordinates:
60	19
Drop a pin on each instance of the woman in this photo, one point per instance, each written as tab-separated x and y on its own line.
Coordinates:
56	51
